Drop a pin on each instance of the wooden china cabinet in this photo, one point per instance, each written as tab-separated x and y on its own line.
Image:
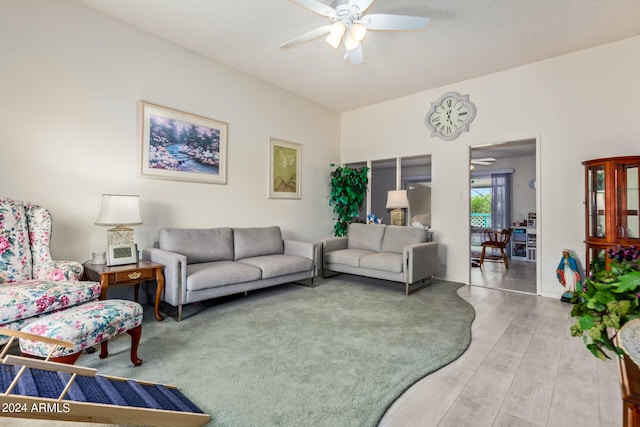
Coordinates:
612	204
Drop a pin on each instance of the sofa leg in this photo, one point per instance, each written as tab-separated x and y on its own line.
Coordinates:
423	285
303	282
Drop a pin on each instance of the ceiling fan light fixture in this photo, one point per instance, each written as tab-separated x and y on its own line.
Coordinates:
335	34
334	42
337	30
349	25
350	43
358	31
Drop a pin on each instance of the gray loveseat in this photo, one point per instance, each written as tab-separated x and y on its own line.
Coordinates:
204	263
389	252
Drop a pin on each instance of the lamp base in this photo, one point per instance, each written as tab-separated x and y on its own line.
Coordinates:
119	235
397	217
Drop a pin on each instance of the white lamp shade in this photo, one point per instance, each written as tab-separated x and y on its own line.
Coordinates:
350	43
334	42
119	209
397	199
338	29
358	31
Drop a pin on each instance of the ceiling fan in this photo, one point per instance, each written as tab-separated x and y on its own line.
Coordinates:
349	25
485	161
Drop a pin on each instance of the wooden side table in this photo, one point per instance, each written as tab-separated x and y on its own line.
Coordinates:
130	274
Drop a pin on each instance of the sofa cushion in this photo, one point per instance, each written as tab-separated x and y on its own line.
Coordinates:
347	256
279	265
220	273
257	241
198	244
28	298
385	261
397	237
15	253
366	236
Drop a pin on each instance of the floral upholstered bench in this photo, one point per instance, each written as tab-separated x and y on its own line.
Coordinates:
84	325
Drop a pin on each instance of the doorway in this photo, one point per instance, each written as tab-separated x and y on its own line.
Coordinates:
503	195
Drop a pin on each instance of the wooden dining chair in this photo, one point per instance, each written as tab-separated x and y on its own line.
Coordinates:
494	239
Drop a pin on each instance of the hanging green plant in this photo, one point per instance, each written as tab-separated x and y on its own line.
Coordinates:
348	188
607	300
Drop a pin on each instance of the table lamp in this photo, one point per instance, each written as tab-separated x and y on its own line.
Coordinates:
119	210
397	200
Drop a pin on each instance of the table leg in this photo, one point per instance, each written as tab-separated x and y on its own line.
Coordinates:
159	289
104	285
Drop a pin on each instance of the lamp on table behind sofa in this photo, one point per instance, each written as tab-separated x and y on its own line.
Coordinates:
397	200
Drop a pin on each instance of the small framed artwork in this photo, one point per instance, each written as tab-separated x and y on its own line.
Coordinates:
122	254
181	146
284	169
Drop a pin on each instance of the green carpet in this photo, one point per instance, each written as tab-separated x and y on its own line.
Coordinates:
336	355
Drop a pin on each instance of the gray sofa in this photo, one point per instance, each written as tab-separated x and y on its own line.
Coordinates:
204	263
400	254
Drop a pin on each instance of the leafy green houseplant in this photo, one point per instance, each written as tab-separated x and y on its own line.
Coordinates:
348	188
607	300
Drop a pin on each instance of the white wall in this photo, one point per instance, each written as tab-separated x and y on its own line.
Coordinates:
581	106
70	81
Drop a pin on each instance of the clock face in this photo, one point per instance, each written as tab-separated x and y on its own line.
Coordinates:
450	116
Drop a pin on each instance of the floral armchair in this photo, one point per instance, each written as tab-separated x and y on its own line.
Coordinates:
31	282
25	234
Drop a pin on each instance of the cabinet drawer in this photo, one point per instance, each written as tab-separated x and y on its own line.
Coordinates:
125	276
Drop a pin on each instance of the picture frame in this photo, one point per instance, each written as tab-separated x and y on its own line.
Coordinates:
181	146
284	169
122	254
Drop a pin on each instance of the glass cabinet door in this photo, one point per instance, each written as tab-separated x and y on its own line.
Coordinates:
627	219
596	202
612	205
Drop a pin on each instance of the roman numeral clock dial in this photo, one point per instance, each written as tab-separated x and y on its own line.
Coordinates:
450	115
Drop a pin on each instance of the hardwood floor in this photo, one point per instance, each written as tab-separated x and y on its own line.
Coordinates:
521	276
523	368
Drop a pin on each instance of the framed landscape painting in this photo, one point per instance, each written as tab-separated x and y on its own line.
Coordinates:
284	169
181	146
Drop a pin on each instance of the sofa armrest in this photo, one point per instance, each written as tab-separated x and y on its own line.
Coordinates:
303	249
59	270
421	261
175	273
331	244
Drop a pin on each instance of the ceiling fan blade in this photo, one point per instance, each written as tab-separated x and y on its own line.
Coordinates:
356	56
316	7
362	4
394	22
310	35
485	161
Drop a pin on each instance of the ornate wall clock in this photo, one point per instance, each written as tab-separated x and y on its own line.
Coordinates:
450	115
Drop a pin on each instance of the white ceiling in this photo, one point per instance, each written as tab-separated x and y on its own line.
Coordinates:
465	39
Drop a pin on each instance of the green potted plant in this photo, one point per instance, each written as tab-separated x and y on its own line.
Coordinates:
607	300
348	188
